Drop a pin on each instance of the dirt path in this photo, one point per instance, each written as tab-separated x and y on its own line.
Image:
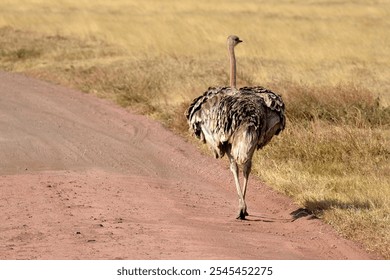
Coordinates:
81	178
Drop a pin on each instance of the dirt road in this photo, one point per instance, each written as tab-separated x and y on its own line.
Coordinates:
81	178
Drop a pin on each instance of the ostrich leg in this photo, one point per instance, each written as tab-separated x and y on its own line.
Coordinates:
241	200
246	171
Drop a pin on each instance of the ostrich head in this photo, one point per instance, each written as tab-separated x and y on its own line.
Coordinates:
233	40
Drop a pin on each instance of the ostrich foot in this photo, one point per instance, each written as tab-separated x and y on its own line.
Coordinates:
242	213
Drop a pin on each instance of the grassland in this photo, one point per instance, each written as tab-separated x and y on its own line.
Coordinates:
329	60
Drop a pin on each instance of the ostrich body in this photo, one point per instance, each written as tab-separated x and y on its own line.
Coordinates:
236	122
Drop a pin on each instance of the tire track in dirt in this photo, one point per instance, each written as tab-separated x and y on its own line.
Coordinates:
81	178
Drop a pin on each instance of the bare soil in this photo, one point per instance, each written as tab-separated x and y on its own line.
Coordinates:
81	178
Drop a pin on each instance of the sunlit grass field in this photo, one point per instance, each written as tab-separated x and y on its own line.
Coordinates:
329	60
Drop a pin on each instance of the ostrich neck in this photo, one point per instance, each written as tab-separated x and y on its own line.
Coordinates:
232	68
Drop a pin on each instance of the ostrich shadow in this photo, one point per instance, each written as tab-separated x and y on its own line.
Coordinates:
312	209
266	219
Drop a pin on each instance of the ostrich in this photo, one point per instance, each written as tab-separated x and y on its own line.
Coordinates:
236	122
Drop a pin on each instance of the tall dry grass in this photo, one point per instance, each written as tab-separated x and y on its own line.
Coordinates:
329	60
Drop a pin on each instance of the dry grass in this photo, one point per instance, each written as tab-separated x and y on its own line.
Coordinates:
329	60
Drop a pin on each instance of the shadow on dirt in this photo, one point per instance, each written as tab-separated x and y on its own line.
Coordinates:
266	219
301	213
313	209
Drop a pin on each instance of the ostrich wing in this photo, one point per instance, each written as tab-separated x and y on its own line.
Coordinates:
271	100
203	107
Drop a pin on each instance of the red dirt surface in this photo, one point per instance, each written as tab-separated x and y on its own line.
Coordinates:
81	178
